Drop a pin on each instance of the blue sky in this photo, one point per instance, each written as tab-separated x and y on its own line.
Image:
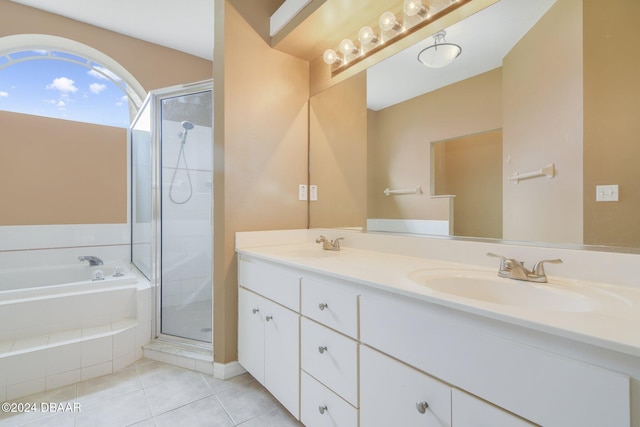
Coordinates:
61	89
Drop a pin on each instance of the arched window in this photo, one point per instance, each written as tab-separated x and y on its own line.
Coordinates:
55	77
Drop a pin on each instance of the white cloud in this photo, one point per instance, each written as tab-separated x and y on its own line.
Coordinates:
124	100
4	94
102	73
97	87
63	84
61	105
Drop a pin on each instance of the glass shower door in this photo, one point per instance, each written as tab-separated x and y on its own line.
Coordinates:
186	176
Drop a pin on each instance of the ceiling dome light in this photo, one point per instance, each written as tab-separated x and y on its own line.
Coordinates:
330	57
414	7
347	47
366	35
440	53
389	22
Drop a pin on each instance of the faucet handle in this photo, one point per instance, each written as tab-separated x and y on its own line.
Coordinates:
505	264
538	268
321	239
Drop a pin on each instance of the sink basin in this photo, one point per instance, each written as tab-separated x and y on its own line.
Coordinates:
485	286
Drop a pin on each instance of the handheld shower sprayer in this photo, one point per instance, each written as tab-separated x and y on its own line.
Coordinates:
187	126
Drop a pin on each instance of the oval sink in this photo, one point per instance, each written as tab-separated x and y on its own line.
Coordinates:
486	286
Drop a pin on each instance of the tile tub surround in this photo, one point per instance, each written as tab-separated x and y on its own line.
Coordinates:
384	261
150	393
68	337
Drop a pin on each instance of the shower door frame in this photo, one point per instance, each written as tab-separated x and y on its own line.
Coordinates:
155	100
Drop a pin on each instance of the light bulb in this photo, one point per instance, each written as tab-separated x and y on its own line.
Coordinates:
347	47
389	22
414	7
330	56
366	36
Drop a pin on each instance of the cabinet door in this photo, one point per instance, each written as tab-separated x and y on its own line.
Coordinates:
393	394
282	355
469	411
251	333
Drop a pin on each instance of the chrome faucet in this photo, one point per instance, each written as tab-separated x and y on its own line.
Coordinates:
93	260
329	245
513	269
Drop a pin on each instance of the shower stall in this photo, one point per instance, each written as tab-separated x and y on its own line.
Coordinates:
171	142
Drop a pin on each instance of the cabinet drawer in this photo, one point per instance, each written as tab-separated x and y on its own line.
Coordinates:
331	304
469	411
537	385
322	407
394	394
331	358
274	282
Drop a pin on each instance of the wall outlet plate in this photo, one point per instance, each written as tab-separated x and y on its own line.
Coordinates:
606	193
302	192
313	193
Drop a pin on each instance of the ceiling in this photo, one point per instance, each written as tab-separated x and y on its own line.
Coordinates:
184	25
485	38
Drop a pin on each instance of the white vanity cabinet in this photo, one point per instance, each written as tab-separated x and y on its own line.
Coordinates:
469	411
268	332
329	353
394	394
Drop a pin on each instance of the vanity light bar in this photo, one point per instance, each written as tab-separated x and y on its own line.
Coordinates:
390	29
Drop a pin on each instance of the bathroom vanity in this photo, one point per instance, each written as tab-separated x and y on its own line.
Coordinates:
390	331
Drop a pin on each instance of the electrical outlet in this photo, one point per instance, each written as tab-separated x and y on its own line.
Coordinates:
606	193
302	192
313	193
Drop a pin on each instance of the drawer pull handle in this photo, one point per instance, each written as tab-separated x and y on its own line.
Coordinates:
322	349
268	318
255	310
422	407
322	408
323	305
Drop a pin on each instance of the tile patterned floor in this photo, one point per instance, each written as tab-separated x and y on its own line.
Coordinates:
151	393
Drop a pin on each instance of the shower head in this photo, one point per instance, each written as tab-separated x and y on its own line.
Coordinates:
187	126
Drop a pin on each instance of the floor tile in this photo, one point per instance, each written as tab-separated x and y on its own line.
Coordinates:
173	394
278	417
108	386
203	413
124	410
246	401
218	385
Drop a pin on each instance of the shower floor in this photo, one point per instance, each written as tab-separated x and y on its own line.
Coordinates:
192	321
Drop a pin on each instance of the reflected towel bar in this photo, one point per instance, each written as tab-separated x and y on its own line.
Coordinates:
417	190
548	171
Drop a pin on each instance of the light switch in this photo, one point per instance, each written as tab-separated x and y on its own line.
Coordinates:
302	192
606	193
313	193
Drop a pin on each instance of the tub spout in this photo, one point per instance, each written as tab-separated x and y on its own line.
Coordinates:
93	260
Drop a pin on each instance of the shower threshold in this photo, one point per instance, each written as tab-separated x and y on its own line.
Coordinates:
194	355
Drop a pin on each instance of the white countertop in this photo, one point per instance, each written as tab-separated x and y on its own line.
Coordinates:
612	320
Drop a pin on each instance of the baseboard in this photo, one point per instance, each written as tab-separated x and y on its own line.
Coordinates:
224	371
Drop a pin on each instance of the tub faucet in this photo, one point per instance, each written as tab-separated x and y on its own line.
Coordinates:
93	260
329	245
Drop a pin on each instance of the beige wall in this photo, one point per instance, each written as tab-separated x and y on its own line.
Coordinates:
260	144
338	154
542	89
611	121
400	152
57	162
60	172
470	168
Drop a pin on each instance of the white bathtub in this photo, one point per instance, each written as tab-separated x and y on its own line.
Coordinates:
59	326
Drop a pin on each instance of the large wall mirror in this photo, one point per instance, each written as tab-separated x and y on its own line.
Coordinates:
555	80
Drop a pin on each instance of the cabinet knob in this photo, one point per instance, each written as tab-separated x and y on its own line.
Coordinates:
268	318
255	310
322	408
322	348
422	407
323	305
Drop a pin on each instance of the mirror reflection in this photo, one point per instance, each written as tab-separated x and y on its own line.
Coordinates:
557	81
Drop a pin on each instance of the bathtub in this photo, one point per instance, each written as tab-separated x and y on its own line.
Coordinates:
64	324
